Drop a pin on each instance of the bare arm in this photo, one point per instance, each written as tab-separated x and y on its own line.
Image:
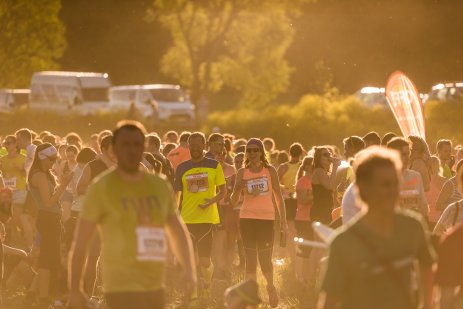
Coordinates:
238	189
278	196
328	181
444	195
84	232
48	198
220	195
84	181
421	168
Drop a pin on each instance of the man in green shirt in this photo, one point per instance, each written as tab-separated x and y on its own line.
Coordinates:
370	263
136	214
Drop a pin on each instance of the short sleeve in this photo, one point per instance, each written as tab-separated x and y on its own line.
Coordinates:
178	185
335	280
219	175
426	254
92	208
444	219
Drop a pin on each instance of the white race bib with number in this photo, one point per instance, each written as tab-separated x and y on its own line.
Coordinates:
10	182
197	182
409	198
151	244
257	186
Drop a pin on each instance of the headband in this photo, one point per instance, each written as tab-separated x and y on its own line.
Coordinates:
47	152
256	142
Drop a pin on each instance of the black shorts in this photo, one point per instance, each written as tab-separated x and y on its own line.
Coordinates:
138	300
49	230
291	208
201	236
304	230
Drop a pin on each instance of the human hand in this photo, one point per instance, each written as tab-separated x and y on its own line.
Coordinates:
207	202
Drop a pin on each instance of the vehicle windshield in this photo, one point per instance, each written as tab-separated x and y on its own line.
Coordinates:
95	94
21	98
168	95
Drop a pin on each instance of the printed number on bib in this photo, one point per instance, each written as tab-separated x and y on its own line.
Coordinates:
409	199
151	244
197	182
10	182
257	186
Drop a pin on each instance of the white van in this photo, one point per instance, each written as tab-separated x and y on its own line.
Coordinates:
69	92
166	102
13	99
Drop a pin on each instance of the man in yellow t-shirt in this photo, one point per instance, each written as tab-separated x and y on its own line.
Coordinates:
201	182
135	213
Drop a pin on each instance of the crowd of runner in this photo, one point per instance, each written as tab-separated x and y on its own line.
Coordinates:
107	217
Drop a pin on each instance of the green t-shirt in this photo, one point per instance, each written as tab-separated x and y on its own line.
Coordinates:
355	274
116	206
198	181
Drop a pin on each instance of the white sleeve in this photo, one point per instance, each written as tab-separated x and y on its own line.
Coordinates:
349	205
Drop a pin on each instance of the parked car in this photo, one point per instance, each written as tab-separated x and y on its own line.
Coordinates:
371	96
446	92
66	92
13	99
165	102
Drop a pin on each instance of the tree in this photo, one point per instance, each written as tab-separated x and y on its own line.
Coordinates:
238	43
31	39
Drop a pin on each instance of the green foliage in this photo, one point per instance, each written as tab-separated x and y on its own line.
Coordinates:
240	44
31	39
83	125
314	120
443	120
327	119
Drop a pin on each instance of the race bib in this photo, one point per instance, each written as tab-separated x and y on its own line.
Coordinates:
409	199
257	186
151	244
10	182
197	182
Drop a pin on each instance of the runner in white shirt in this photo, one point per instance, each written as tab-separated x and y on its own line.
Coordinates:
24	141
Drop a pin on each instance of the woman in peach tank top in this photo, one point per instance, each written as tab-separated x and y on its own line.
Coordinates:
258	183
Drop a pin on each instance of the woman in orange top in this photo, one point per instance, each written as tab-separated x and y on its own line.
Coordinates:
258	182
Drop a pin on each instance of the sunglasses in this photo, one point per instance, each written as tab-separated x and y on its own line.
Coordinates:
255	150
326	155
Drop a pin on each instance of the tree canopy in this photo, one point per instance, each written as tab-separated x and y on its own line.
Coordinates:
240	44
31	39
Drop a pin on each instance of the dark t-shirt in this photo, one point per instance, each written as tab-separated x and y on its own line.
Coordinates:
355	273
97	167
450	268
